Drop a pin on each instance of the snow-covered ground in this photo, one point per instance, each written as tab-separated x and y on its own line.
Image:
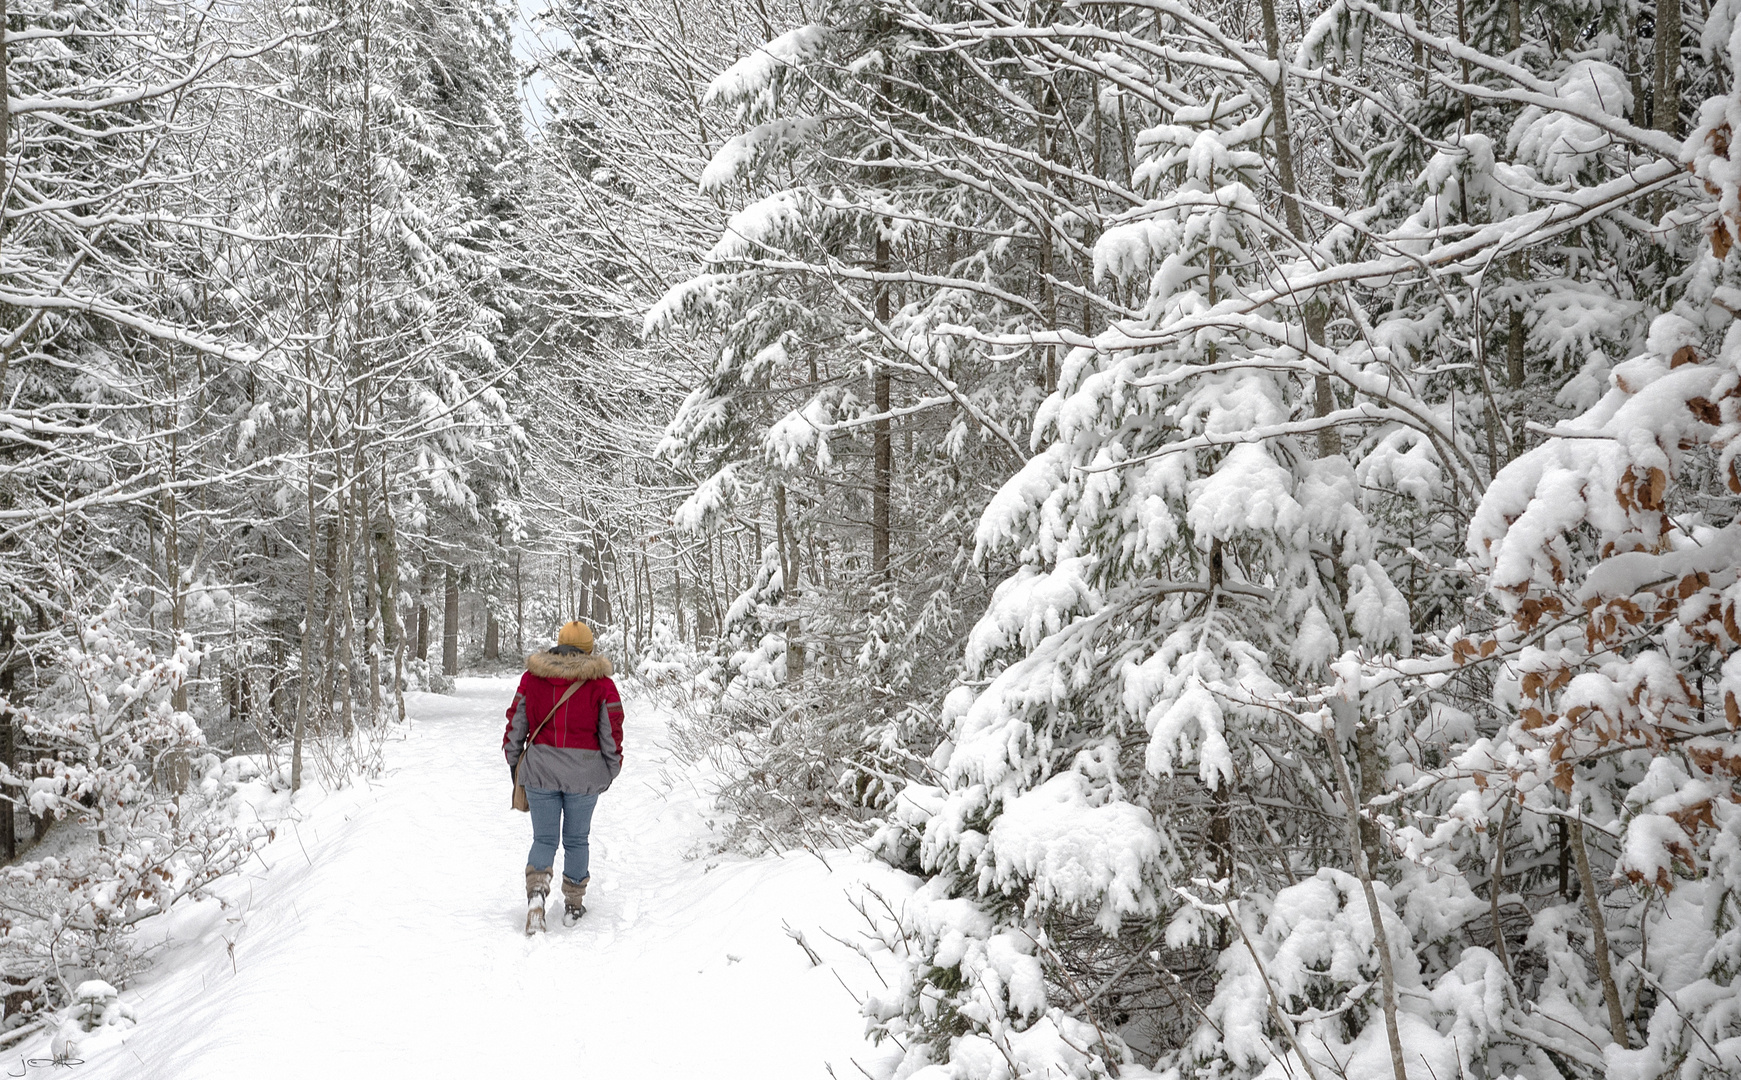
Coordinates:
380	936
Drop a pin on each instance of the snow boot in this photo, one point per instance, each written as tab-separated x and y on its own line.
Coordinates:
537	888
573	892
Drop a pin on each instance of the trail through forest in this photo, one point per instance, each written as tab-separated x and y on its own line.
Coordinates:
382	937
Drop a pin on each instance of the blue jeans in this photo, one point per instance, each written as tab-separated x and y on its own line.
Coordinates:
574	812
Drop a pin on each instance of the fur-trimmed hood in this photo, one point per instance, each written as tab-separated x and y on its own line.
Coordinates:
569	666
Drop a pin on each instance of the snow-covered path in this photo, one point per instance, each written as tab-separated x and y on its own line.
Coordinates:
385	939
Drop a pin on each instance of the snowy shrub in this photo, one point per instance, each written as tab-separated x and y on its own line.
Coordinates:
666	661
778	762
805	748
428	677
142	802
97	1004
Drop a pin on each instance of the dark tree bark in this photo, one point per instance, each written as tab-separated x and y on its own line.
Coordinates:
786	547
599	585
450	625
519	609
1666	86
677	595
883	445
387	576
423	613
8	735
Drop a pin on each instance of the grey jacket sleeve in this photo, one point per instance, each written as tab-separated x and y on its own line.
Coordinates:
516	733
607	745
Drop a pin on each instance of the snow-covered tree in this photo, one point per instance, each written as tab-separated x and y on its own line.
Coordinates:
1256	778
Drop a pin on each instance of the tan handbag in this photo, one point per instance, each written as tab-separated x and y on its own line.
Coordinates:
520	802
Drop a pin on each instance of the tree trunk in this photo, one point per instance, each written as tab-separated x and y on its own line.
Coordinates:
492	636
677	593
346	615
1357	851
519	607
390	598
652	606
1371	764
883	446
450	625
1666	86
172	549
1514	330
572	609
635	575
1599	936
704	624
1497	887
786	550
372	644
305	692
1329	442
8	734
329	608
423	584
5	150
601	585
387	571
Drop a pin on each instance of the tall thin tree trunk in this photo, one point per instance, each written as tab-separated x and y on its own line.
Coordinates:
330	606
1329	445
346	615
9	629
450	624
372	601
5	161
883	444
705	600
172	533
390	599
1357	851
635	575
677	593
519	606
8	732
786	550
423	586
1514	330
601	590
306	689
1666	86
572	609
1497	887
1324	398
1043	100
652	593
1599	936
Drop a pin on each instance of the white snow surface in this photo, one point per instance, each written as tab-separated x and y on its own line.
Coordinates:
381	935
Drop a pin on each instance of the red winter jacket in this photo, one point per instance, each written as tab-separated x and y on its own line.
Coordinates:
580	749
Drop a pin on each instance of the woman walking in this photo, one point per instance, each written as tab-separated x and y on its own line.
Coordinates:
571	708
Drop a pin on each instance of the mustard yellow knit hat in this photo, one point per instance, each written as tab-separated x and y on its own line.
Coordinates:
577	634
